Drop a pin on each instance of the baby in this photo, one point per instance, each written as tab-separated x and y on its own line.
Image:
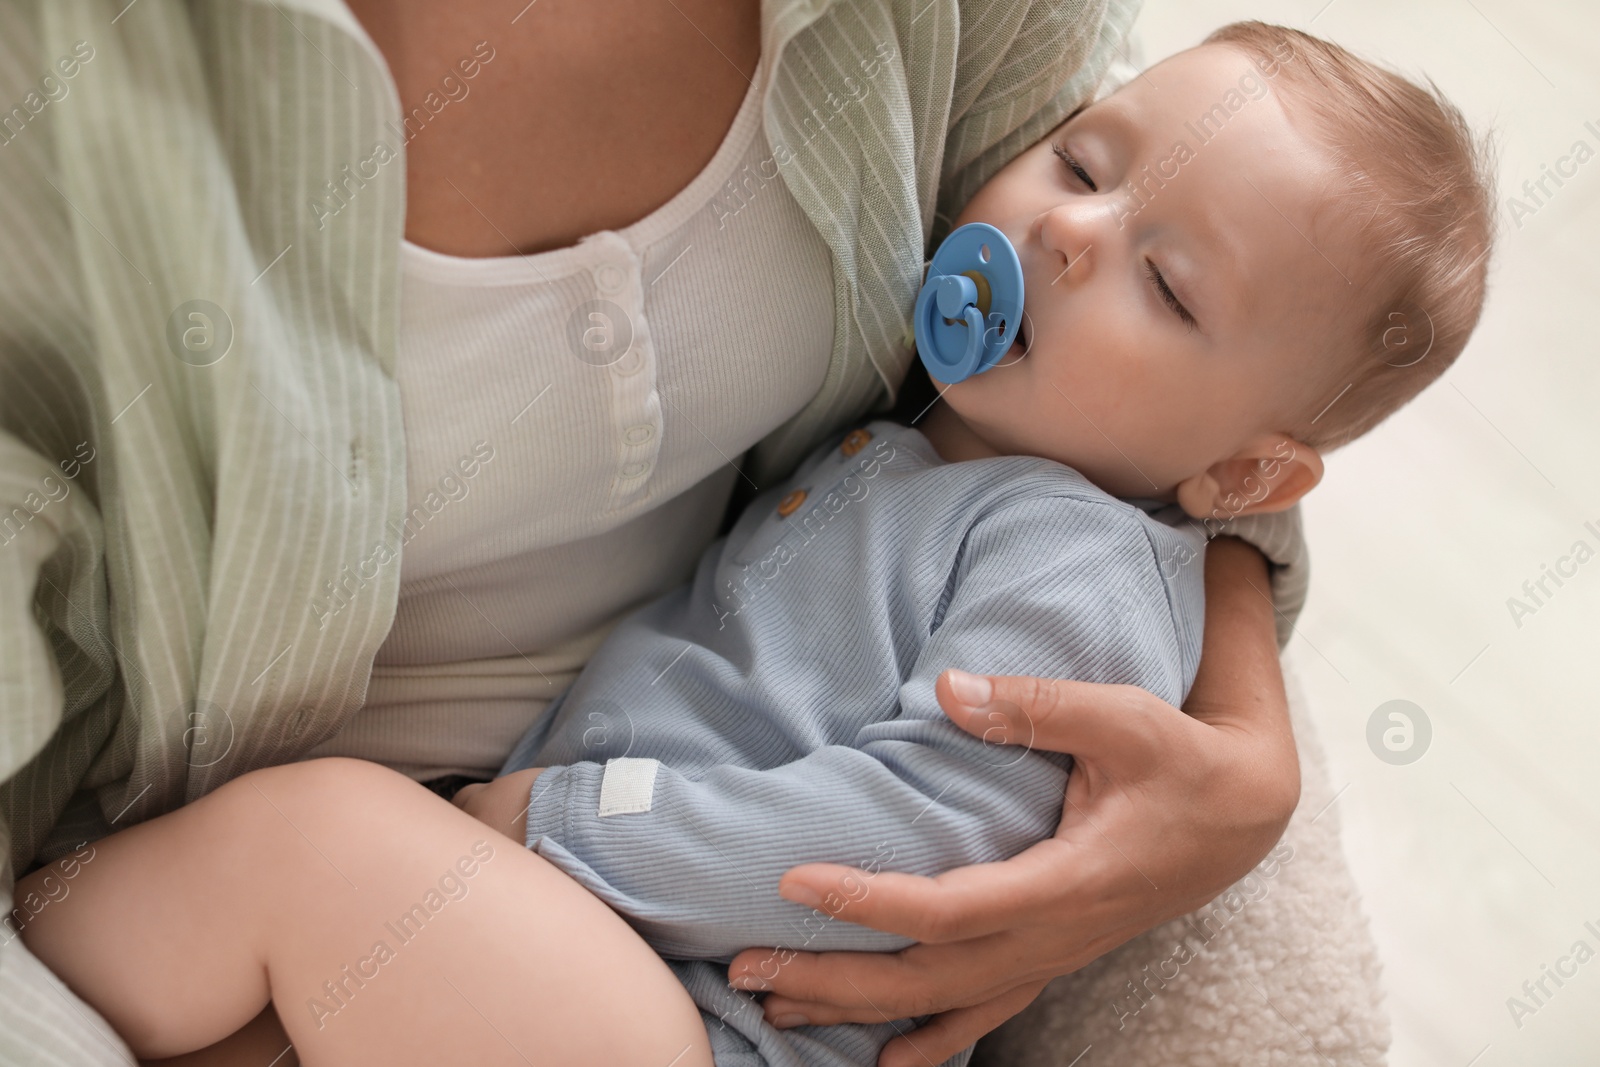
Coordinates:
1242	259
1215	296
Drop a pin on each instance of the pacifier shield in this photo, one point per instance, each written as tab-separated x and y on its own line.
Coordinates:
970	307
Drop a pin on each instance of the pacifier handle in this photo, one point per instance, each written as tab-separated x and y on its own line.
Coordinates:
969	309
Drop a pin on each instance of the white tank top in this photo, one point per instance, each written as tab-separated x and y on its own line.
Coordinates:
573	422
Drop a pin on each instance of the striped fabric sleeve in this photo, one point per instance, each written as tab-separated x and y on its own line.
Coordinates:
55	657
1280	537
1058	56
41	1020
168	513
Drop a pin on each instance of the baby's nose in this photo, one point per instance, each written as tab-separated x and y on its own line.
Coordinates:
1068	234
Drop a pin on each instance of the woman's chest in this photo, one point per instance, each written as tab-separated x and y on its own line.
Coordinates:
606	378
577	117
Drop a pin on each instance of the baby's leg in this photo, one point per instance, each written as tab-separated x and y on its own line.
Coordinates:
262	1042
342	890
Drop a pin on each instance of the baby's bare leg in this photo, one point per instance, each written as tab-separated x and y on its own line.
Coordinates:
261	1042
342	890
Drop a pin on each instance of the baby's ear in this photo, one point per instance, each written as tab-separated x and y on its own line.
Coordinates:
1269	473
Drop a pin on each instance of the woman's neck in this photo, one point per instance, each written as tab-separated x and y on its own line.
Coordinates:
579	118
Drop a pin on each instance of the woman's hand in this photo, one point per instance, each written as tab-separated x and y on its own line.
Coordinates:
1164	810
501	804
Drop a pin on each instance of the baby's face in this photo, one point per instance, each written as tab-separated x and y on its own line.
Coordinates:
1170	323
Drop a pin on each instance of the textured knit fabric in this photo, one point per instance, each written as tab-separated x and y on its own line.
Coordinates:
780	708
180	481
607	465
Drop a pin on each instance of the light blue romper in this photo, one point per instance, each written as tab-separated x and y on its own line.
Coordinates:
780	708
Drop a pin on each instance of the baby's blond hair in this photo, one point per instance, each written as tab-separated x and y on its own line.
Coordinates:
1419	191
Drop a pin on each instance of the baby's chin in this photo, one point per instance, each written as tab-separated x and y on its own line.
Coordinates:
1019	418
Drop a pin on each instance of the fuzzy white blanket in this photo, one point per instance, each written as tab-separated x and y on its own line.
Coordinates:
1280	970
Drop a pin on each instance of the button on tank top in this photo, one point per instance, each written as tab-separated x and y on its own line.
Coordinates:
574	421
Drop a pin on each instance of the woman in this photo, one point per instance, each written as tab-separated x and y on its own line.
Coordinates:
213	328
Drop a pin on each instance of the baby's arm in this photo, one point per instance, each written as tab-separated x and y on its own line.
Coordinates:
1057	587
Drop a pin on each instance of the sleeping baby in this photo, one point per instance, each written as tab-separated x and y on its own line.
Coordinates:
1240	260
1216	295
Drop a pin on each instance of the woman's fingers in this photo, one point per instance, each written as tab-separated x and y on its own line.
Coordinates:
1120	727
866	987
958	905
948	1033
945	1034
835	987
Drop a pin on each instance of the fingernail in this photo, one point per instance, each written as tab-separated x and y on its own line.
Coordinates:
801	894
790	1018
750	982
973	690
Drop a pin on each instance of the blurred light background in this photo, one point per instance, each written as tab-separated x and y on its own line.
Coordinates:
1479	862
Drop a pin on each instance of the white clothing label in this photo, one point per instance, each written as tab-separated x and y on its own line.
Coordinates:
629	786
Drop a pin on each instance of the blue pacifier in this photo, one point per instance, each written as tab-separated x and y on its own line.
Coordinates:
970	308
